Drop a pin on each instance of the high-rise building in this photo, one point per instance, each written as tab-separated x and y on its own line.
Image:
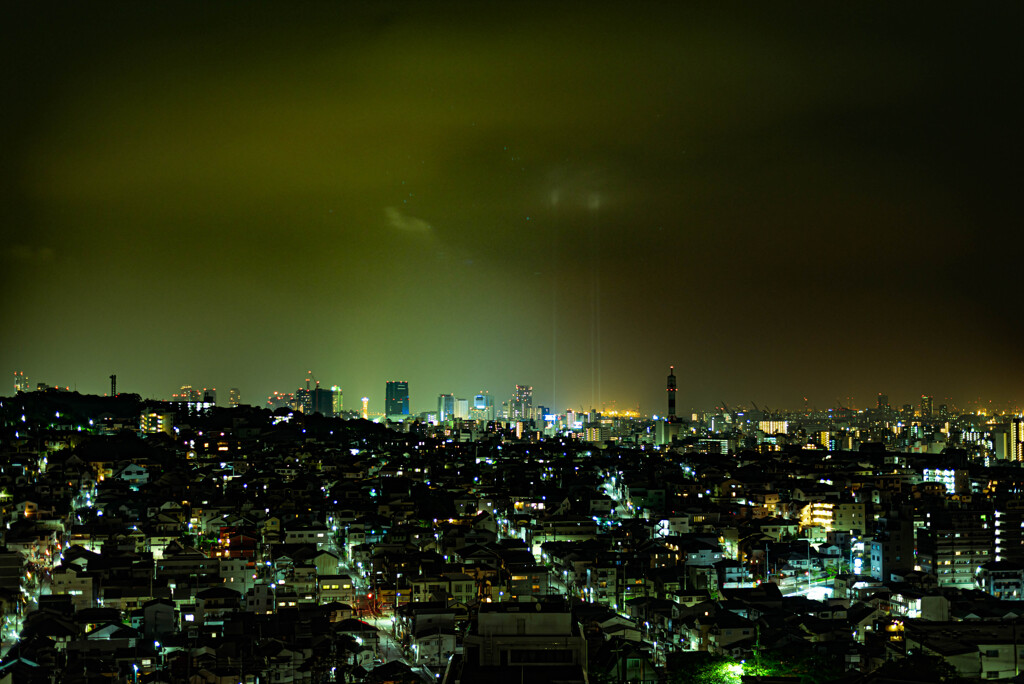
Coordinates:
670	387
462	408
521	405
773	427
1016	440
303	400
483	407
234	397
306	398
338	401
366	408
892	545
322	401
955	543
926	406
1009	530
187	394
193	400
281	400
445	407
396	398
21	382
883	402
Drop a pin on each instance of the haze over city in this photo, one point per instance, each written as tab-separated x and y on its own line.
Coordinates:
783	202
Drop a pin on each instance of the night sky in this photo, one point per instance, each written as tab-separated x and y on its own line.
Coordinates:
816	199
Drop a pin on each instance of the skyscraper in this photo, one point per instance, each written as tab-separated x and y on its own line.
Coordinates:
21	382
303	400
445	407
483	407
883	402
187	394
322	401
1016	450
521	405
926	406
396	398
234	397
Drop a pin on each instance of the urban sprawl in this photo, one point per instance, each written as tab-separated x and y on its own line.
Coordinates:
184	541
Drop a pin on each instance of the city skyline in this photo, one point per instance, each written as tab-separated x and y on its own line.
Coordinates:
926	405
781	202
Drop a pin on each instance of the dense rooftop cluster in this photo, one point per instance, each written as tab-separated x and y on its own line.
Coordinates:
143	541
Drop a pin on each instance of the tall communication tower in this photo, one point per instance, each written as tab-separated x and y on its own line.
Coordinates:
670	387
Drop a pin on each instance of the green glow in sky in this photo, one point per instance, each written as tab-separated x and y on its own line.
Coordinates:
782	203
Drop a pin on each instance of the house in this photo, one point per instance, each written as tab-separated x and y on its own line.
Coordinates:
432	646
516	641
623	660
77	582
336	588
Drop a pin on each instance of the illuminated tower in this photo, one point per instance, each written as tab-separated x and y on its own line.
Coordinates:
396	398
483	407
113	385
338	400
521	406
670	387
304	395
234	397
926	406
21	382
883	402
445	407
366	408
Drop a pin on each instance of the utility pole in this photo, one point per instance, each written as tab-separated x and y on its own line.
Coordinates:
757	649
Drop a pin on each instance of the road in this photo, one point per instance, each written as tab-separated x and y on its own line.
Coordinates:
389	648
